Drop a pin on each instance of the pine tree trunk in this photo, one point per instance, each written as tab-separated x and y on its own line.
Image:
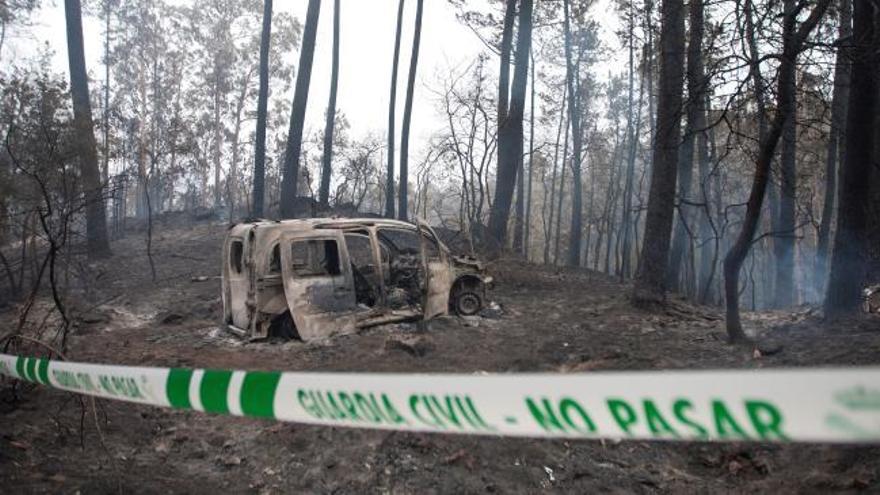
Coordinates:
392	100
850	255
563	115
403	183
733	262
262	106
327	169
695	124
650	286
574	238
631	158
528	221
783	242
298	112
96	215
836	135
510	134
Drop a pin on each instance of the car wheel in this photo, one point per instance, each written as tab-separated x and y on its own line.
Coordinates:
467	303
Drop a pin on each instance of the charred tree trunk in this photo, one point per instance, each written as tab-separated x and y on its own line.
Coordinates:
403	183
389	169
510	134
849	258
562	120
736	256
836	135
96	215
574	237
631	158
298	112
327	161
650	286
528	226
262	105
497	233
695	125
783	243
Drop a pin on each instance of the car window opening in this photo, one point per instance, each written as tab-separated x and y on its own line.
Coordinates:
315	258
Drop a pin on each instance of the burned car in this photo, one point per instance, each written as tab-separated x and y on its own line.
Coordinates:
317	277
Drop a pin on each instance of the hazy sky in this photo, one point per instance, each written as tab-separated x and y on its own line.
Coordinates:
367	41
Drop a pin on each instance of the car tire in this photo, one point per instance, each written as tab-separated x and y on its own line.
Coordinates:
467	303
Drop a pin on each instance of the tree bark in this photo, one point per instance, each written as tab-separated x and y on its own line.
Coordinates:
736	256
96	215
106	144
528	218
496	242
262	105
633	144
695	125
510	134
574	237
298	113
403	182
836	135
850	256
327	169
392	100
650	286
783	242
563	119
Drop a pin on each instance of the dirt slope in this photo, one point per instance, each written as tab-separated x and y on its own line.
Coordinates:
551	321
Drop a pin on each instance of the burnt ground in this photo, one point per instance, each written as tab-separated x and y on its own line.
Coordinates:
561	321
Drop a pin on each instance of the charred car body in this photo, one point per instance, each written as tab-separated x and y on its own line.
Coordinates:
313	278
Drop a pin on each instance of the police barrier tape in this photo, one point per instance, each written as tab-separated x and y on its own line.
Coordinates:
823	405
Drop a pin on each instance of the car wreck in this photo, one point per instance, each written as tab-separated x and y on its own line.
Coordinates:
318	277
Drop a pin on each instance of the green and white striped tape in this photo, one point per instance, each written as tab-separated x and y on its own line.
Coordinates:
812	405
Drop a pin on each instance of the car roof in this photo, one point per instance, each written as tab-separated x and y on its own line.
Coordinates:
307	224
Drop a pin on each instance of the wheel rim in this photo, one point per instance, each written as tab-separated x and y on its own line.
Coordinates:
468	304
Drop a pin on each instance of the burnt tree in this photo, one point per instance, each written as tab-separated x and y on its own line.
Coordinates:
298	112
96	215
510	133
850	256
733	261
392	100
650	284
403	196
262	104
327	159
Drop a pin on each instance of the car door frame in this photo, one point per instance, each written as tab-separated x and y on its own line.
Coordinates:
438	273
312	322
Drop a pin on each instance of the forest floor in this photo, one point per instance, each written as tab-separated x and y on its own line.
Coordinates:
551	320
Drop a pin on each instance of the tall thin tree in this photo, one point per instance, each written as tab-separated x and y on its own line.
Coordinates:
510	136
696	123
298	113
402	208
262	105
392	100
574	236
836	136
96	215
733	261
528	220
327	162
783	243
650	285
849	258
